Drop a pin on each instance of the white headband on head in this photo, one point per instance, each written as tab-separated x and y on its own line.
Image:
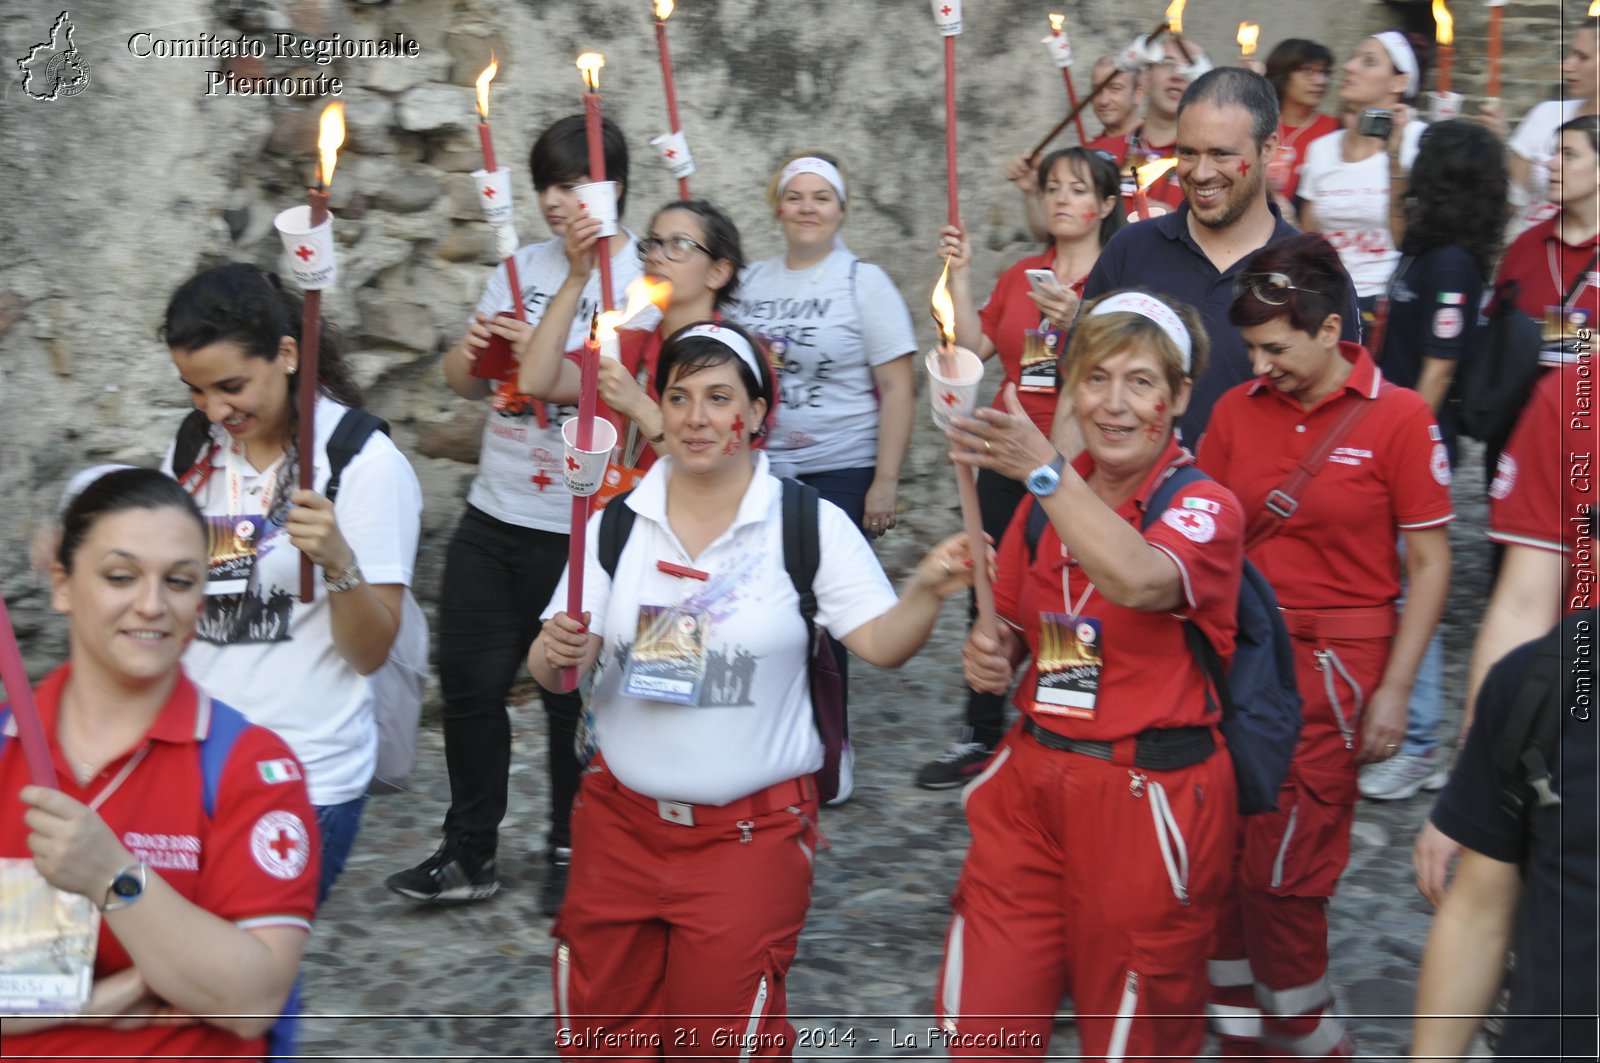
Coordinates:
1157	311
1404	59
83	479
734	342
811	164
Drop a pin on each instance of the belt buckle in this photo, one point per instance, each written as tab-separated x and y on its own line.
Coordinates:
675	812
1282	504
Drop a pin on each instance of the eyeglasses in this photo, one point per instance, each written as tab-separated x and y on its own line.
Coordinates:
1271	288
673	248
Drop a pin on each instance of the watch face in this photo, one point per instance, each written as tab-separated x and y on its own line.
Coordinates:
1043	481
127	885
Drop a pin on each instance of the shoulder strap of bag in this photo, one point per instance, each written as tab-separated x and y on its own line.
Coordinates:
1578	281
190	446
801	544
1283	500
1380	314
616	521
1520	756
224	729
349	436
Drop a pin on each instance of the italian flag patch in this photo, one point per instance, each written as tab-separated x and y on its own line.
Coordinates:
282	770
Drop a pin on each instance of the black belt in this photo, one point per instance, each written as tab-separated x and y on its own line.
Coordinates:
1158	749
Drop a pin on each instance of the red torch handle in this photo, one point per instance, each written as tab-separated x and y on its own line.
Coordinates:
35	747
576	544
1072	100
954	214
1494	52
967	487
597	172
487	141
310	346
672	96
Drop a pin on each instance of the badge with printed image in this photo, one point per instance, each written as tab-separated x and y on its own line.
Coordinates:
232	545
1070	662
1565	333
1041	350
668	659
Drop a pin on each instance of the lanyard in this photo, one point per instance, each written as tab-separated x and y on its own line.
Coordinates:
235	461
1558	283
1075	610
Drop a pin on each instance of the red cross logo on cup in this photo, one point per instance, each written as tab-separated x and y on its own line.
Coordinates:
489	192
950	399
671	153
304	253
572	464
945	11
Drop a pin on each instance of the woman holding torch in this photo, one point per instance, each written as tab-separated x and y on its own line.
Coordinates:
694	828
1103	830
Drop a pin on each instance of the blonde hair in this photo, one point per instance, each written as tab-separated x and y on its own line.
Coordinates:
1097	337
777	176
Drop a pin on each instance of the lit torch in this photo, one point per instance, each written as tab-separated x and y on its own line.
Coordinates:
1175	25
956	373
1445	34
589	64
1249	33
1060	48
1144	177
483	112
663	11
330	136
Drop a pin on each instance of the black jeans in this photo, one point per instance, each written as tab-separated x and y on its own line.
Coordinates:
998	499
498	578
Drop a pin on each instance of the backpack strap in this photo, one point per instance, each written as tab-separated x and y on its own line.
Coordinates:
616	521
349	436
223	729
801	544
1521	755
190	448
1283	500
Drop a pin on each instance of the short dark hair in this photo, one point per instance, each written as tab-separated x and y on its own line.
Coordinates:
249	306
1322	286
691	354
1587	124
115	492
1291	55
1102	175
562	154
722	239
1232	86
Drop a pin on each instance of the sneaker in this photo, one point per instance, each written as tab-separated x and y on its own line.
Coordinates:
554	890
955	766
445	877
1403	776
847	776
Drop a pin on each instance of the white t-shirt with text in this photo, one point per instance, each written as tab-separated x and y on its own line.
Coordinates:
1350	201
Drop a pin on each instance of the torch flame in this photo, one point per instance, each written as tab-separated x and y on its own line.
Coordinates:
645	292
483	86
1057	20
1152	171
1594	9
589	64
1249	33
664	10
1444	26
944	308
329	137
1175	15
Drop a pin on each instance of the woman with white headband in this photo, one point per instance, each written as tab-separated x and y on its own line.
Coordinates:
1335	568
694	829
842	340
1351	183
1103	830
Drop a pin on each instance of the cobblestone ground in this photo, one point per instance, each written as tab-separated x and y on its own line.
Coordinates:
388	979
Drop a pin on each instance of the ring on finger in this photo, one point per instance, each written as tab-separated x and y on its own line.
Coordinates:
987	446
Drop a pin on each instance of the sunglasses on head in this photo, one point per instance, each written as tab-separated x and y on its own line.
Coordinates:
1271	288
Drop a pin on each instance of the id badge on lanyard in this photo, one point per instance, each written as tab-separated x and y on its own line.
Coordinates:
668	658
1040	368
1071	657
234	538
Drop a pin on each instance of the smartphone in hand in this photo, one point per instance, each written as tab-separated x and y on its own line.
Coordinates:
1043	281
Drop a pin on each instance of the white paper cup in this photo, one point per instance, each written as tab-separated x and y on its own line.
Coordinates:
599	198
674	151
947	16
955	396
1059	45
494	194
1443	106
310	249
584	470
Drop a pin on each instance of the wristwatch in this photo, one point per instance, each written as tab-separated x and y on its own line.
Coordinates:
1044	480
126	887
350	577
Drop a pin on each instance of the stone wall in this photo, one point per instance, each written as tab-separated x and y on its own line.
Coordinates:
121	191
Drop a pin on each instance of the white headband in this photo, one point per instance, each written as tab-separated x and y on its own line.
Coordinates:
1154	309
811	164
81	481
1404	59
734	342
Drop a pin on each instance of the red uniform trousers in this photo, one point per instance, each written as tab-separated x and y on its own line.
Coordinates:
1073	884
1270	993
674	940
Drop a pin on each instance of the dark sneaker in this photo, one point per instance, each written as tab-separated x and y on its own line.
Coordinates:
554	890
446	877
955	766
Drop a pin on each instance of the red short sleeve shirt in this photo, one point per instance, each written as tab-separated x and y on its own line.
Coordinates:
1142	685
254	862
1006	318
1545	269
640	350
1544	490
1390	474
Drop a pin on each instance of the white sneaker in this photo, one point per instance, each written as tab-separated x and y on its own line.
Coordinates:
847	776
1403	776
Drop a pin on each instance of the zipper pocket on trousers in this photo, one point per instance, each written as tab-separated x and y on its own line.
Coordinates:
563	987
1283	847
1124	1023
757	1011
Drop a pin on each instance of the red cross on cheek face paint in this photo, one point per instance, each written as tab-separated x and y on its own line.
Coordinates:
1244	167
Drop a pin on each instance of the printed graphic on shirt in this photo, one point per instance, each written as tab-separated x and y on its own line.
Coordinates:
165	852
1505	478
280	844
791	329
254	616
1439	464
276	771
1194	525
1349	455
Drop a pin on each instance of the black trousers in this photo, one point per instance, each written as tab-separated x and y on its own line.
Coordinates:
498	578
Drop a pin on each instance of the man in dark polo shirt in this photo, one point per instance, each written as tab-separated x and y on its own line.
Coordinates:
1227	131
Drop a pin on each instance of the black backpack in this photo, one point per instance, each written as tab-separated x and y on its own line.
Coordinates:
1259	696
1526	747
349	436
801	554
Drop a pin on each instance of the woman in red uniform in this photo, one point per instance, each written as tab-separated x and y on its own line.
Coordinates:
1024	324
206	909
1336	571
1103	831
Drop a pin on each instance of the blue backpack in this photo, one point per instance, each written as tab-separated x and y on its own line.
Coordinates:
227	724
1259	697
